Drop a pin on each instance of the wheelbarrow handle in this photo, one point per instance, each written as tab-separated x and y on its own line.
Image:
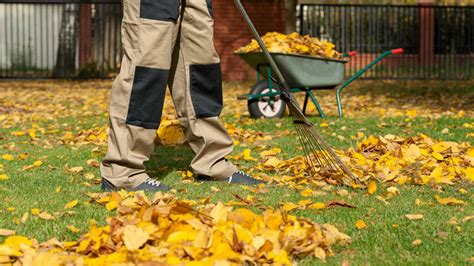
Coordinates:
350	54
398	51
261	43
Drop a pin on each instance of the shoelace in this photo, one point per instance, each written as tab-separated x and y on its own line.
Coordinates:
153	182
244	174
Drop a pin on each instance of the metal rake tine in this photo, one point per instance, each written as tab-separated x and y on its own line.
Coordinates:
311	152
333	154
303	144
320	150
308	139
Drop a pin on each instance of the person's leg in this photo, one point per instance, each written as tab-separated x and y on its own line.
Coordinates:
149	30
196	87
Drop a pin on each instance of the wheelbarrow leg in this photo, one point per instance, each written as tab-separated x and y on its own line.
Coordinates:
315	102
306	98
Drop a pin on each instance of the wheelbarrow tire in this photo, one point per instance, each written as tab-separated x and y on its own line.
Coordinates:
261	108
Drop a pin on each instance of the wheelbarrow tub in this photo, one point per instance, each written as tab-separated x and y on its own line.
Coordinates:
300	71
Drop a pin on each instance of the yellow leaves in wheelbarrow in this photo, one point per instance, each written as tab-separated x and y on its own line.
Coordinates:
294	43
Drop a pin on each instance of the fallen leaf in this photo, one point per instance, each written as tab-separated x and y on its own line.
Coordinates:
75	170
393	190
317	206
6	232
45	216
72	228
112	205
134	237
360	224
71	204
339	203
416	242
450	201
414	216
7	157
307	192
372	187
93	163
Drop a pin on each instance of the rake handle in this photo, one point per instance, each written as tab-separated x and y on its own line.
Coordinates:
256	35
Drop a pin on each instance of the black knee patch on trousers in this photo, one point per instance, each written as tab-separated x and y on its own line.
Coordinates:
148	96
209	7
206	90
164	10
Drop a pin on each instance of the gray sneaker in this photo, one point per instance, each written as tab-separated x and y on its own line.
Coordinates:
149	185
238	177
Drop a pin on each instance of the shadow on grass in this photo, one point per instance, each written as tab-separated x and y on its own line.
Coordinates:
166	160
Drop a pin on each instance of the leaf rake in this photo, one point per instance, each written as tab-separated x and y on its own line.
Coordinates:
319	155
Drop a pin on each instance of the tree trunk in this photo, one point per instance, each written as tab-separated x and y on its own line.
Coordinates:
290	8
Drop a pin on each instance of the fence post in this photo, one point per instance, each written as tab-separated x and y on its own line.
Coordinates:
85	35
427	30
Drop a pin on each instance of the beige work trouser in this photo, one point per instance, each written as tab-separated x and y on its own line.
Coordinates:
166	42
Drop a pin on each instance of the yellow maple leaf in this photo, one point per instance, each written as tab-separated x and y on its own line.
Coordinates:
360	224
7	157
76	169
6	232
247	155
272	152
412	113
272	162
317	206
469	173
449	201
4	177
71	204
414	216
17	242
412	153
372	188
323	124
32	133
170	133
134	237
18	133
307	192
35	211
72	228
111	205
45	216
393	190
289	206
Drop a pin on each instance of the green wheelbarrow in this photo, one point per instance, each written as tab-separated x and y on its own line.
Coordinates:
304	74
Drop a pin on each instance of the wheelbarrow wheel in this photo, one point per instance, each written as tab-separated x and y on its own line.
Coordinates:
267	107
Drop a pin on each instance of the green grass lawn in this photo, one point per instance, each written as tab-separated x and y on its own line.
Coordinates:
387	240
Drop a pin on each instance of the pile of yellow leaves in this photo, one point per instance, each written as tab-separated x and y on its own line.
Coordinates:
415	160
169	231
294	44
